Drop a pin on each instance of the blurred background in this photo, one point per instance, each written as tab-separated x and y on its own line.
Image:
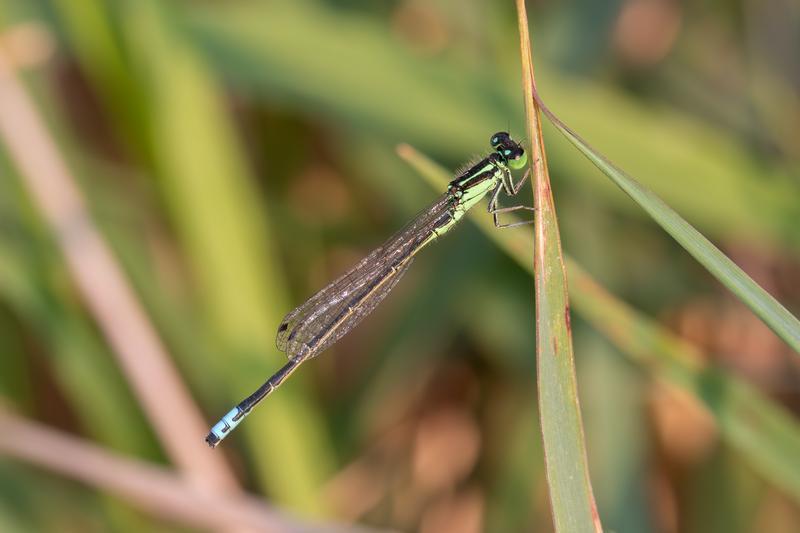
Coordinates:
235	156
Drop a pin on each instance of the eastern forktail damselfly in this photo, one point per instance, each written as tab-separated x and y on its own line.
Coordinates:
329	314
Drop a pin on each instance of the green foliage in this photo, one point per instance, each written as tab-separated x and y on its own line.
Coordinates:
238	155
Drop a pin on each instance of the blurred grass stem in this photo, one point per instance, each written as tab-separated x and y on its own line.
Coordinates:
154	489
109	298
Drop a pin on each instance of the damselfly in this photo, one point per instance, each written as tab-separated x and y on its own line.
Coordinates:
328	315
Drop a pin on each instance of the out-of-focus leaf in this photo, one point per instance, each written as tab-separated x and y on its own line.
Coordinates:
614	396
759	429
211	197
31	285
93	38
517	473
290	53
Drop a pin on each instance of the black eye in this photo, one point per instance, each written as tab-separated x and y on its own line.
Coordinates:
499	138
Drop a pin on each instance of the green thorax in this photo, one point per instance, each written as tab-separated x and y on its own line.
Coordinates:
475	183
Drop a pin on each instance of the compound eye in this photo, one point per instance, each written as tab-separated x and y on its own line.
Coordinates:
499	138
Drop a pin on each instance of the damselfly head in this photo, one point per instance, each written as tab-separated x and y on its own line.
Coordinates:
511	151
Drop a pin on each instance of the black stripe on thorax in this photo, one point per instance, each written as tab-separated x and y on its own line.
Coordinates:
473	175
474	180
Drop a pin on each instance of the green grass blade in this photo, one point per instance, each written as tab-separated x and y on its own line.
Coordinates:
762	431
210	194
767	308
571	499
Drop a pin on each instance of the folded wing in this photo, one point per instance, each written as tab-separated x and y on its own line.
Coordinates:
336	309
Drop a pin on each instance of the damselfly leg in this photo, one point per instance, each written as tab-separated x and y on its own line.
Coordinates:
511	189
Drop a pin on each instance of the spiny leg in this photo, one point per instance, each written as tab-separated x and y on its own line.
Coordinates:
493	200
496	212
504	186
514	189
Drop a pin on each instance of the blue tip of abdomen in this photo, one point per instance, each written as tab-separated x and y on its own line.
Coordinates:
226	424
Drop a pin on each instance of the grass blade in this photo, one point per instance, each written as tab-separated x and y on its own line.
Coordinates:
571	498
767	308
